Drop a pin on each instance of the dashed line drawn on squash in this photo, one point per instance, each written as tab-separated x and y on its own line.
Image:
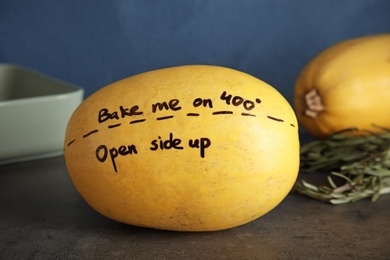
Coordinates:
71	142
137	121
91	132
164	117
113	126
193	114
275	119
247	114
221	112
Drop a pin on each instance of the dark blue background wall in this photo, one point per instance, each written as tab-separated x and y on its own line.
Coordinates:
93	42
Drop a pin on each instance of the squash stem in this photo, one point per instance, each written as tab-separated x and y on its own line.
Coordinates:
313	102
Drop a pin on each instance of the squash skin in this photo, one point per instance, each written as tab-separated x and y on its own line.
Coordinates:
250	167
352	80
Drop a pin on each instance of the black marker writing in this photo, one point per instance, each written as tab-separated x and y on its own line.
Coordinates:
104	114
164	117
113	126
102	153
246	114
166	144
137	121
238	101
222	112
172	105
92	132
71	142
205	102
276	119
201	144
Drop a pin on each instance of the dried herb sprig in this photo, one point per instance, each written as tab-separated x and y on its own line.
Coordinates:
360	163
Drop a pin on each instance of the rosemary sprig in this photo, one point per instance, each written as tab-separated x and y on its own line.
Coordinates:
360	163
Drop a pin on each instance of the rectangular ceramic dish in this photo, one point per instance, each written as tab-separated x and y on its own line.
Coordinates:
34	112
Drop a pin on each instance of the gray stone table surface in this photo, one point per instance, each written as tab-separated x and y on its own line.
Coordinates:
43	217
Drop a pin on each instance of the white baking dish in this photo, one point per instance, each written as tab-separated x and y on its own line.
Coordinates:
34	111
